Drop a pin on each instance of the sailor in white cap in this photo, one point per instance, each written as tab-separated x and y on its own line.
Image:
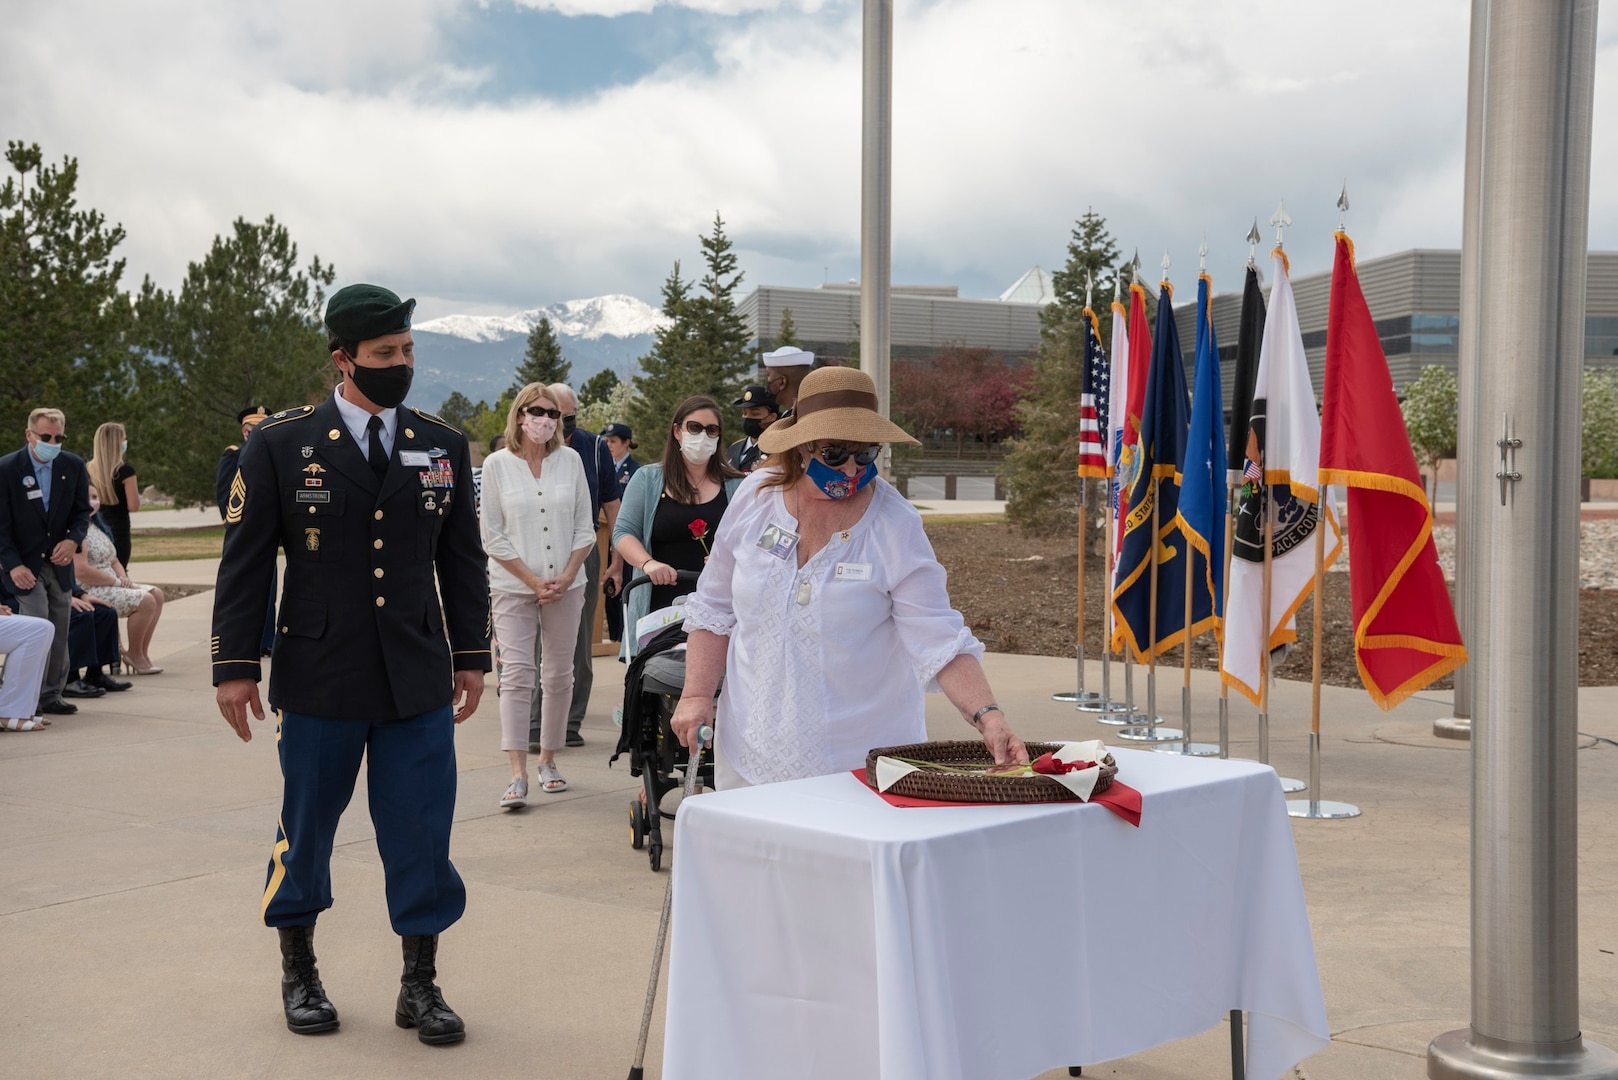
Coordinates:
784	369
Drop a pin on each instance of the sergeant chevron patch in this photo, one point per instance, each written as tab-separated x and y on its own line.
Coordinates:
238	500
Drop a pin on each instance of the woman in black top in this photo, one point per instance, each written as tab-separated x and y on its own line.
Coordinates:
114	479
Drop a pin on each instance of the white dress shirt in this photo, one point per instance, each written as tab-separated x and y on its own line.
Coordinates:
357	421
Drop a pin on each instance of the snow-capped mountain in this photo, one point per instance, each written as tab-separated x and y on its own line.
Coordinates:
588	320
478	354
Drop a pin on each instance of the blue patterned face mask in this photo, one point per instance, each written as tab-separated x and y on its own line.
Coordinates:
834	482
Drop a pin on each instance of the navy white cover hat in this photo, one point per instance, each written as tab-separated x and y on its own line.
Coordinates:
789	356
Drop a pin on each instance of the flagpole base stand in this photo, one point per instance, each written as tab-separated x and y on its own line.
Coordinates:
1102	707
1146	734
1080	700
1321	809
1453	727
1196	749
1119	716
1291	784
1463	1055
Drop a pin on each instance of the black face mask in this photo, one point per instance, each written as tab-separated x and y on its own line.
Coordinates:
385	386
752	427
569	423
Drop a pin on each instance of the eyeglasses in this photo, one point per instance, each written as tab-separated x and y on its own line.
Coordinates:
540	410
835	454
694	428
42	437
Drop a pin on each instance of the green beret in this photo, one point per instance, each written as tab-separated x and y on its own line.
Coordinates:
362	312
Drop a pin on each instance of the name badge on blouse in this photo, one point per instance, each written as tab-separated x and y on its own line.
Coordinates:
414	459
852	571
778	540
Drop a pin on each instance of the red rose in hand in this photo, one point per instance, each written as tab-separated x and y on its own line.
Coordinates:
699	533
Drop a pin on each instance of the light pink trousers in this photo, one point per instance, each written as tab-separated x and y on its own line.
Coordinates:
517	619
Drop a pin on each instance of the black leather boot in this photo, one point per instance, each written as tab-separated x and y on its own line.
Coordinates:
421	1003
308	1010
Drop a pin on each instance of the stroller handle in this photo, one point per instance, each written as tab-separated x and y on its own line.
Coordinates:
688	577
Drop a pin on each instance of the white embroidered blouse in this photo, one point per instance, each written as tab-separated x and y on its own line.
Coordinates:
539	520
831	659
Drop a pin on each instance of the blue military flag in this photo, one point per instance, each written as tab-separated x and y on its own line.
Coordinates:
1163	435
1203	480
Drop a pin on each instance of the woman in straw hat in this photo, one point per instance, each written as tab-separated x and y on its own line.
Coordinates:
823	607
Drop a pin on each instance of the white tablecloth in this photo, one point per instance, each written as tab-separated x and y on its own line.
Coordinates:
820	933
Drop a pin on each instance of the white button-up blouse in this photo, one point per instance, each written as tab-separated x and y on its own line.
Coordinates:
539	520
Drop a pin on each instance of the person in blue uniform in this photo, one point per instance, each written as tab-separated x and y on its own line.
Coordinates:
620	440
249	418
373	504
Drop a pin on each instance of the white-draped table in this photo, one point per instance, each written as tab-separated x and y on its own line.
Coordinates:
819	932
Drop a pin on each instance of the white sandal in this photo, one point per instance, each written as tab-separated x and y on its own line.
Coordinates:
550	778
22	723
516	795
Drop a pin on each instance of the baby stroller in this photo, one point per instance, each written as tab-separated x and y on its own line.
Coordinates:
652	688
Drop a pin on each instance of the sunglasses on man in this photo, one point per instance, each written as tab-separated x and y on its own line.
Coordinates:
540	410
42	437
694	428
834	455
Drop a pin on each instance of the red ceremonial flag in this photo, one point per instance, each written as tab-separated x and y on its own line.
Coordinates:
1405	635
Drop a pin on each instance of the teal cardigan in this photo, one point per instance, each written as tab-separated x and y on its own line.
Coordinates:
635	513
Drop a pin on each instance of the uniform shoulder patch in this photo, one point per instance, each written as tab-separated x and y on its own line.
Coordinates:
231	447
237	501
288	414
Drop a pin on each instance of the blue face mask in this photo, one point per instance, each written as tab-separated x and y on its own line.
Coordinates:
834	482
124	449
46	451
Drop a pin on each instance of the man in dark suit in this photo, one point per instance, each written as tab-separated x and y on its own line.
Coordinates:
249	418
620	440
373	505
44	514
759	411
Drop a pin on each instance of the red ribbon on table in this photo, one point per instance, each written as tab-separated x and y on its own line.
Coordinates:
1120	798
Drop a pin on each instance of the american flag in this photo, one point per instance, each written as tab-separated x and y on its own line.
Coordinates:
1093	402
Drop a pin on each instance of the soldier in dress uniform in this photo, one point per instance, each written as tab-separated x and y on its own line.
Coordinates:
373	504
249	418
759	411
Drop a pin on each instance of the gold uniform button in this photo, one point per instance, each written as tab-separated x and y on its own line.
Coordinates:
381	600
378	515
377	572
376	543
333	435
311	509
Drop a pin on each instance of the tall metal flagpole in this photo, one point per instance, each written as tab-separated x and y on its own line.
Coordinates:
1280	219
876	198
1082	697
1108	711
1532	103
1151	732
1232	485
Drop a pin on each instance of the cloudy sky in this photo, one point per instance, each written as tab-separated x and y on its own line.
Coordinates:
493	156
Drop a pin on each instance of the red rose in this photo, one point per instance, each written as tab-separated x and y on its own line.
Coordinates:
1047	763
699	533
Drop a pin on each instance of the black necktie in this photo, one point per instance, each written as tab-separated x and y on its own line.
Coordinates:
379	457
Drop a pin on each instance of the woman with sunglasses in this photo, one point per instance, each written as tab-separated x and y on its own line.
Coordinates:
671	510
824	608
537	528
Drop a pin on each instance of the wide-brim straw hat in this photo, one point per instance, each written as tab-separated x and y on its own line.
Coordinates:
835	404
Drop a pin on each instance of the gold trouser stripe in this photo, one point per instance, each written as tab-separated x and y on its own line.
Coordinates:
282	846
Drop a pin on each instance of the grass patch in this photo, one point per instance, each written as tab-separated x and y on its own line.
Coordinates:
161	545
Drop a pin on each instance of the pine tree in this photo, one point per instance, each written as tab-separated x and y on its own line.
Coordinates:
705	349
598	387
542	360
244	329
788	334
1041	485
63	315
457	409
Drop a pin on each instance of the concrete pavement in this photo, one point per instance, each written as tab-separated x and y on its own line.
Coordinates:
133	862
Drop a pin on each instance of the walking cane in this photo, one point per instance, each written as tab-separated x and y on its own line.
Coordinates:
636	1072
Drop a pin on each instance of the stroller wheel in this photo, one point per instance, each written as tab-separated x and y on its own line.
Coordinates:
637	825
656	855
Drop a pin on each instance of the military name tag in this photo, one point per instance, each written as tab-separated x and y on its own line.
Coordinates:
312	496
414	458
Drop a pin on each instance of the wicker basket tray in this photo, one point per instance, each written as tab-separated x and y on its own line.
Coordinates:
977	787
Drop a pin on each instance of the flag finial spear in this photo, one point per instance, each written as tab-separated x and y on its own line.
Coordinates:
1165	264
1280	219
1342	206
1254	238
1118	283
1089	287
1202	255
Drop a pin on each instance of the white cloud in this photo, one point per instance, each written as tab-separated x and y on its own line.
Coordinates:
1010	120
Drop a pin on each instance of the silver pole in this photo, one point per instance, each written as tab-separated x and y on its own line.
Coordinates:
876	197
1530	110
